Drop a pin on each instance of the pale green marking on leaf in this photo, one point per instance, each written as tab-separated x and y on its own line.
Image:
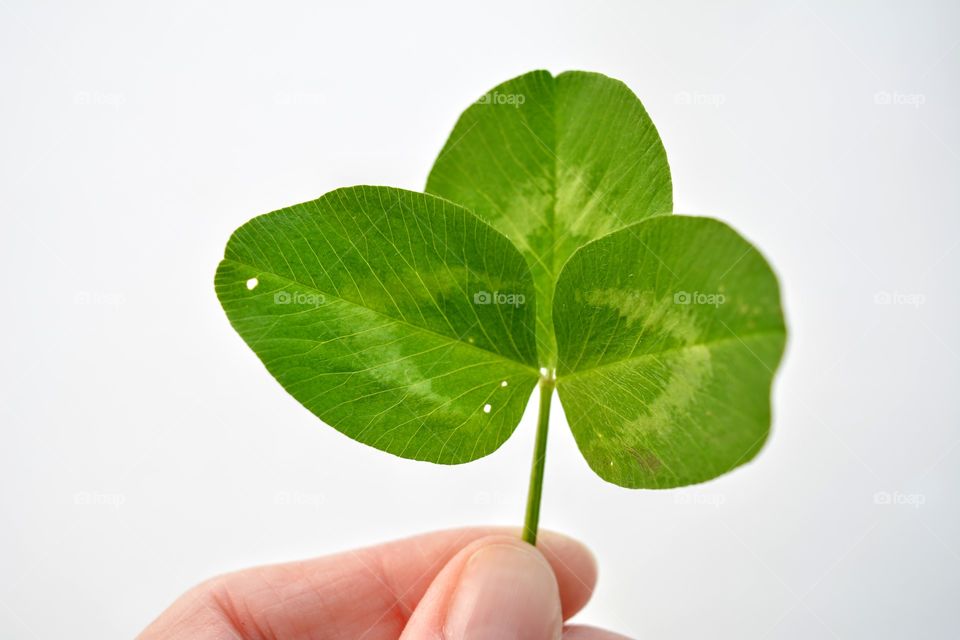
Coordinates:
664	392
691	370
659	317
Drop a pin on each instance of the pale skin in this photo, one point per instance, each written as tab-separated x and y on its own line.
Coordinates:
464	584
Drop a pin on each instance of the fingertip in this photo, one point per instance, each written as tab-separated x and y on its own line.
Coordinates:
575	566
493	586
506	588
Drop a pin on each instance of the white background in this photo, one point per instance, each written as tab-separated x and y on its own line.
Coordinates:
145	447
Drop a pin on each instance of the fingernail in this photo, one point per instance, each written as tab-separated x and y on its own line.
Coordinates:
505	593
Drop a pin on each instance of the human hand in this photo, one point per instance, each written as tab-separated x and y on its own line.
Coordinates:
465	584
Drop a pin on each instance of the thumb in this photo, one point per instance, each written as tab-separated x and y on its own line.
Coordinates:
498	588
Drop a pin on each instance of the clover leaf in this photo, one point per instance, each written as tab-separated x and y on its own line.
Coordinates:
543	253
554	163
362	305
669	332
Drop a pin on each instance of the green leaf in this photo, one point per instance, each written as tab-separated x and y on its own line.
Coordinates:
410	324
372	307
553	163
668	334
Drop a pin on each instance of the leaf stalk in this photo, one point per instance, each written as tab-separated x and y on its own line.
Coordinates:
547	385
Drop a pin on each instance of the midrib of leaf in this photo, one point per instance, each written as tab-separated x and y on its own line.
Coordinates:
657	354
552	226
403	321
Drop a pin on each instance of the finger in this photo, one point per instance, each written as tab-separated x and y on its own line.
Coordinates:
583	632
368	592
497	587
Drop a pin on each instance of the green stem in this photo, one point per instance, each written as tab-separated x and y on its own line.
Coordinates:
547	384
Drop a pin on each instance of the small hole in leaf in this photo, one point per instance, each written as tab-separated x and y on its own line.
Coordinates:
486	408
252	283
503	383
